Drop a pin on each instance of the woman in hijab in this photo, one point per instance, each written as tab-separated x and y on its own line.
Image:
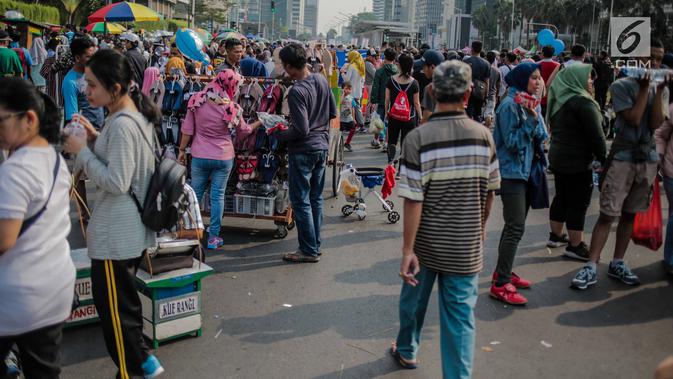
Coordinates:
518	129
354	73
211	116
575	121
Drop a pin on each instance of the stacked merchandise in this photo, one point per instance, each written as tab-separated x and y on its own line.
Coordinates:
258	184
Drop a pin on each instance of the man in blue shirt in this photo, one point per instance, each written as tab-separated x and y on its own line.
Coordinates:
73	86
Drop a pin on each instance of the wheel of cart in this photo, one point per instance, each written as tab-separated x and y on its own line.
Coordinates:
337	161
284	224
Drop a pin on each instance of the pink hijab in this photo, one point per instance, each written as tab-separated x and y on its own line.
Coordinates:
224	86
152	75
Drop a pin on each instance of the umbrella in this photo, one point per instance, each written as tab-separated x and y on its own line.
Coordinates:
124	11
203	34
227	35
99	27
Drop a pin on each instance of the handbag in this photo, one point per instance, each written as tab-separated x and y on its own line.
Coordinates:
648	226
172	255
538	189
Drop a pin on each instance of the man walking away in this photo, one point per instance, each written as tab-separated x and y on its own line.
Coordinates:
378	95
547	68
605	75
311	109
444	222
431	59
481	74
493	87
10	64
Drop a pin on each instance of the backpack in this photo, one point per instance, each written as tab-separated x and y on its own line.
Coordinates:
165	200
400	109
479	87
22	57
271	99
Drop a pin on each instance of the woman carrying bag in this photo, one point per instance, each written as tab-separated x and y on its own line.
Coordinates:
37	276
121	162
518	132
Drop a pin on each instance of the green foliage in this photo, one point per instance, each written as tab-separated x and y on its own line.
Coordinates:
33	12
170	25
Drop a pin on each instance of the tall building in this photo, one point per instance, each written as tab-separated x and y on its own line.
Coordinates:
296	20
395	10
428	18
378	8
311	16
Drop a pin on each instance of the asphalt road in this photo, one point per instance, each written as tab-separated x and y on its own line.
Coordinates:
343	313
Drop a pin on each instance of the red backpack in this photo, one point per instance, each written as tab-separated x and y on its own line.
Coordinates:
400	109
22	57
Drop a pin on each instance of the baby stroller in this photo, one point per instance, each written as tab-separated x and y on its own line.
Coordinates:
352	183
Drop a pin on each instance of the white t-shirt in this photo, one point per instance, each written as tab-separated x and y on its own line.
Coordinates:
37	276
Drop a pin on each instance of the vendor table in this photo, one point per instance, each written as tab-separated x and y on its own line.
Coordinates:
171	300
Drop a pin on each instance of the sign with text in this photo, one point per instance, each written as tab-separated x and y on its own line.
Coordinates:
179	307
630	37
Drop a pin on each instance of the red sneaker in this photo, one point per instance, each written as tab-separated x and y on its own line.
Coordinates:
515	279
507	294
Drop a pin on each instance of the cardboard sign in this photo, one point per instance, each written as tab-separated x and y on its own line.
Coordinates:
83	289
85	312
178	307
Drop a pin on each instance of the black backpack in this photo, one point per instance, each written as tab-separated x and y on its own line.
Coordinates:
165	200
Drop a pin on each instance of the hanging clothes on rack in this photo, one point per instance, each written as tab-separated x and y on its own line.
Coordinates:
249	98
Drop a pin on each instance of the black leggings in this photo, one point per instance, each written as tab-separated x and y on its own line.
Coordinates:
572	199
395	128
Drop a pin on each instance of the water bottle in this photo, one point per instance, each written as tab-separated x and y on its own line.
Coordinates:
657	76
595	167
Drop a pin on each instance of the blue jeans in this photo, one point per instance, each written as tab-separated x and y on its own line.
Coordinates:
668	245
306	182
457	299
218	173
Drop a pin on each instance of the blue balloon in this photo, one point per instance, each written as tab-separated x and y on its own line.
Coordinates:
558	46
545	37
189	44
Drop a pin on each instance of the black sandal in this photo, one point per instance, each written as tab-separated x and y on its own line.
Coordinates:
401	361
298	257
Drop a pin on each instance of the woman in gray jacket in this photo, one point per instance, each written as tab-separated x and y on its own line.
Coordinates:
121	161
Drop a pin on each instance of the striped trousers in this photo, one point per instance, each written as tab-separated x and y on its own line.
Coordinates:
120	311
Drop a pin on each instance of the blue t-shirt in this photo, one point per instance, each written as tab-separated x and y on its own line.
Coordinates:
74	99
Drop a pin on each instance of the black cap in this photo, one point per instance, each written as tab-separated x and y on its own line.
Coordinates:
4	36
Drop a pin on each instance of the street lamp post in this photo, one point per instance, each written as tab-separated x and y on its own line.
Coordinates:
511	29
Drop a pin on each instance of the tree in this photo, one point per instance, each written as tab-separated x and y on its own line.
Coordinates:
482	19
212	10
332	33
70	7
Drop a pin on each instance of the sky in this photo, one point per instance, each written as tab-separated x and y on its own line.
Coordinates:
328	11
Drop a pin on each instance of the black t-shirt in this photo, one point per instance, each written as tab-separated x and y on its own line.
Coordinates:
481	70
411	88
138	65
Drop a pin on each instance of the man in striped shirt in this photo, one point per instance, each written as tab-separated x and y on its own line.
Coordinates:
449	174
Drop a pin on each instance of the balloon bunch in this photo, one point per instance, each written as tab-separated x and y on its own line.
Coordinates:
191	46
546	38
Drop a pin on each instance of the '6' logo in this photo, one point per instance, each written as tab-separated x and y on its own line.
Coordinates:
630	37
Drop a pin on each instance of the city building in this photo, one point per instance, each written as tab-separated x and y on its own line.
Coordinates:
428	18
311	16
378	7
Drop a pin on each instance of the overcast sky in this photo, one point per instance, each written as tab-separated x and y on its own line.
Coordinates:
328	11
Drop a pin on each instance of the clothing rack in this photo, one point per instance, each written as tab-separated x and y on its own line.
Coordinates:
246	79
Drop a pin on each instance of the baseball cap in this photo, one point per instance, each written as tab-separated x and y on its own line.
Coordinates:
372	53
433	58
129	37
4	36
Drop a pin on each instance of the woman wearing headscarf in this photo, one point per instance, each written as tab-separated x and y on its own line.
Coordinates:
575	121
354	73
518	130
211	116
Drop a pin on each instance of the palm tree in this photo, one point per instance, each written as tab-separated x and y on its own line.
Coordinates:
70	7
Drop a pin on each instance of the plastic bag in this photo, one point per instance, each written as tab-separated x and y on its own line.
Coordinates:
648	226
376	125
349	182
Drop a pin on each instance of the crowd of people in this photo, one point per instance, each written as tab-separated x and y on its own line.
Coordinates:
463	128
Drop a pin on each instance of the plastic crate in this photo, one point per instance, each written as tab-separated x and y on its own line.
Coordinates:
229	205
255	205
